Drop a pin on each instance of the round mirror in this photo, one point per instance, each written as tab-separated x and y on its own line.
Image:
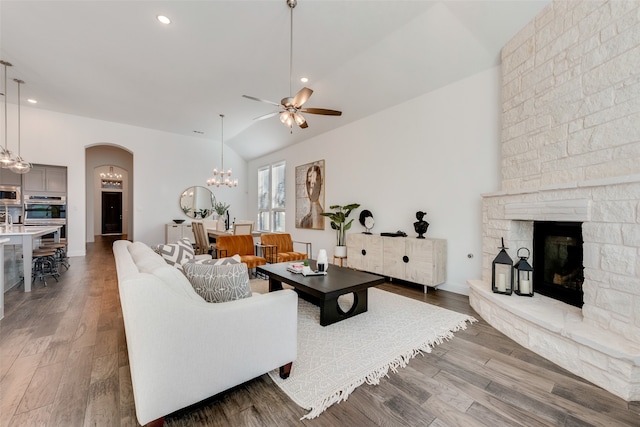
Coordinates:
197	202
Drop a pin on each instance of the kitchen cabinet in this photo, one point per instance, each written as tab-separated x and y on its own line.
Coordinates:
45	180
422	261
10	178
174	232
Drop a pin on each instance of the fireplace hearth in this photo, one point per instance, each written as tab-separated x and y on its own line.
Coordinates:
557	261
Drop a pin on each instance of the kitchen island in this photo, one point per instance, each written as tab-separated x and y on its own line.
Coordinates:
25	235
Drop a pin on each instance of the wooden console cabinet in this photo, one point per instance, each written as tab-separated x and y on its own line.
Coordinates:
422	261
174	232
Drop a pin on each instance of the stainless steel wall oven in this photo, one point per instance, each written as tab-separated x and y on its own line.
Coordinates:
45	210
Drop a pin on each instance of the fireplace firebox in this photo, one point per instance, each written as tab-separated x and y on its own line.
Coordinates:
557	261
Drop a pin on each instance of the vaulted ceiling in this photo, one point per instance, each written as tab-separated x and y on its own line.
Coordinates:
113	61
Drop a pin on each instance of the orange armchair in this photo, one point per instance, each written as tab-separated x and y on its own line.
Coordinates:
283	245
239	244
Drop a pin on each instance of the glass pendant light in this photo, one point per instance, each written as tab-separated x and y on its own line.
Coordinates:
20	166
6	157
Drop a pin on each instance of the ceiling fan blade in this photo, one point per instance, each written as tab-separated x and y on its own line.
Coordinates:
266	116
261	100
301	97
322	111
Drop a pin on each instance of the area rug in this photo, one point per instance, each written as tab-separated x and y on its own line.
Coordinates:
334	360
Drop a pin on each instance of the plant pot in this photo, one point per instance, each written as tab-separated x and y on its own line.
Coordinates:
340	251
221	225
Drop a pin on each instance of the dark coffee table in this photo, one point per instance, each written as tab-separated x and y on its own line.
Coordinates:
325	290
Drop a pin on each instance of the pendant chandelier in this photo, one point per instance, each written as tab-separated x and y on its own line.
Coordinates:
220	177
6	157
20	166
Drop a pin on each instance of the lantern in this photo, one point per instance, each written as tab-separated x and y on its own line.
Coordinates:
523	275
502	272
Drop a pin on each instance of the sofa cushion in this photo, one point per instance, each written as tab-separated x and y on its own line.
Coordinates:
176	280
219	283
178	253
144	257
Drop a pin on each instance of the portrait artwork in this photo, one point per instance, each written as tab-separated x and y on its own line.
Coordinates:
310	195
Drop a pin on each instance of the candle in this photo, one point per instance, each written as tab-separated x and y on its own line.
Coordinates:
502	287
525	287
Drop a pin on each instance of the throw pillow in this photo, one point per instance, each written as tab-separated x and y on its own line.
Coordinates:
219	283
178	253
219	261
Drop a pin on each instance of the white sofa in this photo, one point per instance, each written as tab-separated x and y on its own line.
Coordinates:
183	349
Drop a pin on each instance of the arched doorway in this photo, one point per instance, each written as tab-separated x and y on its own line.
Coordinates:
109	171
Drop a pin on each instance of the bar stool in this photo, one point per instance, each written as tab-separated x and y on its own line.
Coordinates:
61	253
44	265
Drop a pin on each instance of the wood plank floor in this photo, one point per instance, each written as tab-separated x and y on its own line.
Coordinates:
63	362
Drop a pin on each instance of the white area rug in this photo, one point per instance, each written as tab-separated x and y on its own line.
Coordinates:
334	360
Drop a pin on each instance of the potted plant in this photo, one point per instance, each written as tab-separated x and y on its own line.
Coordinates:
221	208
339	223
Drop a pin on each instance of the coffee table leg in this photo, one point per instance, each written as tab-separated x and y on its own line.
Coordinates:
274	285
330	311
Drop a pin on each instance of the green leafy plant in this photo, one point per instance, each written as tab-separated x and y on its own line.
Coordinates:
220	207
339	220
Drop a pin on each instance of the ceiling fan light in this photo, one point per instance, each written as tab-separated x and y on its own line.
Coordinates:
299	119
284	116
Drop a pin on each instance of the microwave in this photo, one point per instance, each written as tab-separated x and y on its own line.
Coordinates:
10	195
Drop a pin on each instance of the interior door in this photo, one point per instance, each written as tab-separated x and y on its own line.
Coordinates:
111	212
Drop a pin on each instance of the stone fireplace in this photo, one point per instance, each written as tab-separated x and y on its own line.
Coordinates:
571	154
557	260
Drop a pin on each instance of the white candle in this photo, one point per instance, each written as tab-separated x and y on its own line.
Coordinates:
525	287
502	282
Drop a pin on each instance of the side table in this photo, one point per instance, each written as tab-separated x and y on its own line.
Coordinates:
340	260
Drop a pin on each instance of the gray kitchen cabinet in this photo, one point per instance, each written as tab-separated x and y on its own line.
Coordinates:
45	179
10	178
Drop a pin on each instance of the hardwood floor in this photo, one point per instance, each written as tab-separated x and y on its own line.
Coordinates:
63	362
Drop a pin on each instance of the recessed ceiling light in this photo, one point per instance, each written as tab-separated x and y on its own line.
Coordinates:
304	80
32	101
163	19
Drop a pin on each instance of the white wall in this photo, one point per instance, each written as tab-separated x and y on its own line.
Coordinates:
435	153
164	165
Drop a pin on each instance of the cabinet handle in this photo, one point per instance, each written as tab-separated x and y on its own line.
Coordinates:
405	259
364	252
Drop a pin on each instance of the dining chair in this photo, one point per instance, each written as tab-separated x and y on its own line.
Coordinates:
245	228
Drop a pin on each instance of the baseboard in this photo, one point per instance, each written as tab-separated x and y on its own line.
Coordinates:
456	288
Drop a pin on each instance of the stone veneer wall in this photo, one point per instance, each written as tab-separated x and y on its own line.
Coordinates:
571	95
571	151
571	122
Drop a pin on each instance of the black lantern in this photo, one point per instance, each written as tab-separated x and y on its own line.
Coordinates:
502	272
524	275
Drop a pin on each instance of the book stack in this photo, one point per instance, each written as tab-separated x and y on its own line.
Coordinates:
295	267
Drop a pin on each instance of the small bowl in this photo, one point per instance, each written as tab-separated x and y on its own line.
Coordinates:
178	221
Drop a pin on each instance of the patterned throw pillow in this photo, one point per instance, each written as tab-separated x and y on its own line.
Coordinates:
219	261
219	283
178	253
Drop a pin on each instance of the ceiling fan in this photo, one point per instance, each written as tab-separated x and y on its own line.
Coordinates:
290	108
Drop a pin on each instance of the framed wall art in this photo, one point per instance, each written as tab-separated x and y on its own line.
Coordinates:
310	181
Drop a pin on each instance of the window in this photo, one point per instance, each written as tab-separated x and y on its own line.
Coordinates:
271	197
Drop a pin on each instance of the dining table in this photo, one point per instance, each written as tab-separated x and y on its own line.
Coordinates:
25	235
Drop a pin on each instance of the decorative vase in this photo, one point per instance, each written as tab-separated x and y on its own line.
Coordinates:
221	225
322	261
340	251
